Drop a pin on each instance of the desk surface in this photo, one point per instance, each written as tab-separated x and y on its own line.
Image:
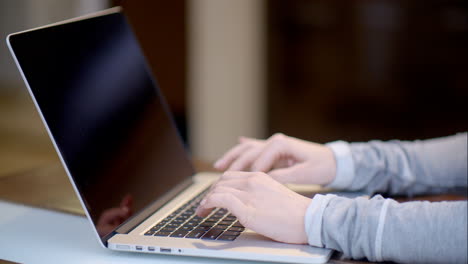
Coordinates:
35	235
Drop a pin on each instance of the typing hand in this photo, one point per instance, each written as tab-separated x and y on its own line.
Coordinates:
286	159
261	204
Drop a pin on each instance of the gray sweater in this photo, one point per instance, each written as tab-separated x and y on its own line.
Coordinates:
383	229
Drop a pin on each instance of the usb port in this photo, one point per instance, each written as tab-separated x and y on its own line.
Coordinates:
139	248
165	250
150	248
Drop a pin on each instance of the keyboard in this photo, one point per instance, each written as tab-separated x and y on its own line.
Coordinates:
183	222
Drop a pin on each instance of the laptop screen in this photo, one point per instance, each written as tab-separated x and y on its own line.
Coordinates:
105	113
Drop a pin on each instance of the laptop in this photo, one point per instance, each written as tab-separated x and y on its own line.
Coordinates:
119	146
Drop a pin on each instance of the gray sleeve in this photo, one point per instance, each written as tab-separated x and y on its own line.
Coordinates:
417	167
382	229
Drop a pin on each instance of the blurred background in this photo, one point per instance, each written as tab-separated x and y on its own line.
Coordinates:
318	70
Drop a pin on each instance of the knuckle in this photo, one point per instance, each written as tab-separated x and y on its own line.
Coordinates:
278	137
250	144
254	180
251	182
278	140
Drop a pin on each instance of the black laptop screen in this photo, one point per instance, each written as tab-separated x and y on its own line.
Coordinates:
105	113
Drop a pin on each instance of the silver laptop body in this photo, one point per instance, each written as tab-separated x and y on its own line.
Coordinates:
115	137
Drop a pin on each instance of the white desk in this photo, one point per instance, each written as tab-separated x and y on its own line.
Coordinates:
32	235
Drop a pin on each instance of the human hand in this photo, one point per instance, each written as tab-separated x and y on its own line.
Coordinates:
261	204
286	159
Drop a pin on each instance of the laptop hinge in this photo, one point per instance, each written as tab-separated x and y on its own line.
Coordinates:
107	237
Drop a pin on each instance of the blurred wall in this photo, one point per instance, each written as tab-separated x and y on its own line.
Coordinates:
25	14
361	70
226	96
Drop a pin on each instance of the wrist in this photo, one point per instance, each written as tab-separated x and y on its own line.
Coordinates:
302	234
344	165
313	219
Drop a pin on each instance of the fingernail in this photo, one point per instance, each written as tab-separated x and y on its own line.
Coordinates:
203	202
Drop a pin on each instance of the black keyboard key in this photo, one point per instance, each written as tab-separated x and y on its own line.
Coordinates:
197	233
149	233
168	229
184	216
190	223
237	229
156	227
226	237
224	223
212	234
187	228
207	223
231	233
206	228
178	221
161	233
179	233
237	224
173	225
197	218
221	226
217	216
230	218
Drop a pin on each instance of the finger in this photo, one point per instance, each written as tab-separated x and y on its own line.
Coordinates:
245	161
240	194
225	189
287	175
230	175
236	175
269	156
224	162
238	184
222	200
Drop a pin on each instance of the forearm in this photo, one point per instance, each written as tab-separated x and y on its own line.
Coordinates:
382	229
398	167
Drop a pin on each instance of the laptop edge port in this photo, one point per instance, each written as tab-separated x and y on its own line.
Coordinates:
165	250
